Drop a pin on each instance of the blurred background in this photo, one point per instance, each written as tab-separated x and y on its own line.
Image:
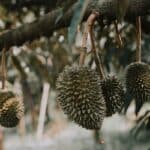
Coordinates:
32	70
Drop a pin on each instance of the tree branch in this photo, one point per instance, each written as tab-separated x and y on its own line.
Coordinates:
28	32
27	3
47	24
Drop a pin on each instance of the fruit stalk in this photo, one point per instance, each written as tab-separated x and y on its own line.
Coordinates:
98	61
83	48
3	69
139	33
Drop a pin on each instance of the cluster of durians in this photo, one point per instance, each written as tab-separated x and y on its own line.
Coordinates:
87	99
11	109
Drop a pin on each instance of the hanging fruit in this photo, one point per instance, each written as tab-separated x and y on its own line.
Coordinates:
112	88
11	105
114	95
138	81
11	109
80	96
138	75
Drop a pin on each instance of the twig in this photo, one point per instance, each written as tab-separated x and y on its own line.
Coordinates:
83	48
98	61
3	68
139	33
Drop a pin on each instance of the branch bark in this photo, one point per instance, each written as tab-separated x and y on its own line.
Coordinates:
14	6
47	24
28	32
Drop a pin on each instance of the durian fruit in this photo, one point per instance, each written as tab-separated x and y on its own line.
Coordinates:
11	112
138	80
80	96
138	83
4	95
11	109
113	94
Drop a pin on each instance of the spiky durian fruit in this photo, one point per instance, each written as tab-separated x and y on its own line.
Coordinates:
80	96
4	95
138	83
11	112
138	80
113	94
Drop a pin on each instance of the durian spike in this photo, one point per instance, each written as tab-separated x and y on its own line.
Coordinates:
118	36
98	61
139	33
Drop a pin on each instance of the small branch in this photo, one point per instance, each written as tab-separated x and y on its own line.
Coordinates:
28	32
90	23
82	56
17	4
46	25
3	69
83	47
139	33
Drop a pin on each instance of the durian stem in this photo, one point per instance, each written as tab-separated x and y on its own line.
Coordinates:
97	137
82	57
3	69
118	36
139	33
98	60
83	50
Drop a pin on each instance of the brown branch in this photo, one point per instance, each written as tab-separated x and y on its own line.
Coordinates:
3	69
139	49
83	47
90	24
82	56
11	6
28	32
47	24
